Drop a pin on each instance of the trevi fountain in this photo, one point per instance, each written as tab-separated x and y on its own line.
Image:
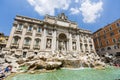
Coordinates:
53	49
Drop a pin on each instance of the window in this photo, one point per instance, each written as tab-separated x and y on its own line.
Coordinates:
112	33
99	39
30	28
118	25
108	48
104	36
117	54
110	28
20	27
107	42
98	34
24	54
27	41
15	41
39	29
114	40
119	31
104	31
91	47
119	40
37	41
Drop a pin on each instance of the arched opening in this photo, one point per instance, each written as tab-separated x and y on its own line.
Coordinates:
16	40
108	48
62	42
62	36
24	54
37	42
27	41
91	46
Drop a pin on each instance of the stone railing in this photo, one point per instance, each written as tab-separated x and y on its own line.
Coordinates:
14	45
38	34
18	31
26	46
36	47
29	33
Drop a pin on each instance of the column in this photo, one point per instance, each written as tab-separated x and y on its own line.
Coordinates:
33	37
23	35
83	44
88	44
70	42
11	35
84	50
56	44
67	45
43	41
54	41
93	47
78	43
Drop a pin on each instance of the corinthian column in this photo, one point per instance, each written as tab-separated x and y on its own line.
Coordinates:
70	42
23	35
78	43
33	37
54	40
43	41
11	35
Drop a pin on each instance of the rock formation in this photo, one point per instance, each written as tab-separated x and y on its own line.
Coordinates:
50	60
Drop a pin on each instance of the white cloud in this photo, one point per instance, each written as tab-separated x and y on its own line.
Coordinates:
48	6
74	10
91	10
76	1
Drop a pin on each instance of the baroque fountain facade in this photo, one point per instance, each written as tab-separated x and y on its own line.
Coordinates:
52	41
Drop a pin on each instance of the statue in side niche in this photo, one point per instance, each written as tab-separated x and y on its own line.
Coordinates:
48	45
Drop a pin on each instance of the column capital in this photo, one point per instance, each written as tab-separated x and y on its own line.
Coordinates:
15	23
26	25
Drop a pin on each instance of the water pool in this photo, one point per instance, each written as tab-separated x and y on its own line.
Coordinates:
67	74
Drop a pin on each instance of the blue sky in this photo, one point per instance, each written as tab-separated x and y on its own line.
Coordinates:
89	14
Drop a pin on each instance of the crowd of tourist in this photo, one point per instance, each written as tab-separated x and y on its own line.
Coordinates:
5	72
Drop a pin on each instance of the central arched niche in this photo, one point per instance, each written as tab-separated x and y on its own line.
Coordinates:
62	44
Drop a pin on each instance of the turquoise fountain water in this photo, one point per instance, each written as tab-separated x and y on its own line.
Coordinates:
66	74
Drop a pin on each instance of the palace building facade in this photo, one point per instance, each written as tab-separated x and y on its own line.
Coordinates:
54	33
107	39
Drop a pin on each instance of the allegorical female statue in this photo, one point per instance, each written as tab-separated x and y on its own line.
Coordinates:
62	45
48	45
